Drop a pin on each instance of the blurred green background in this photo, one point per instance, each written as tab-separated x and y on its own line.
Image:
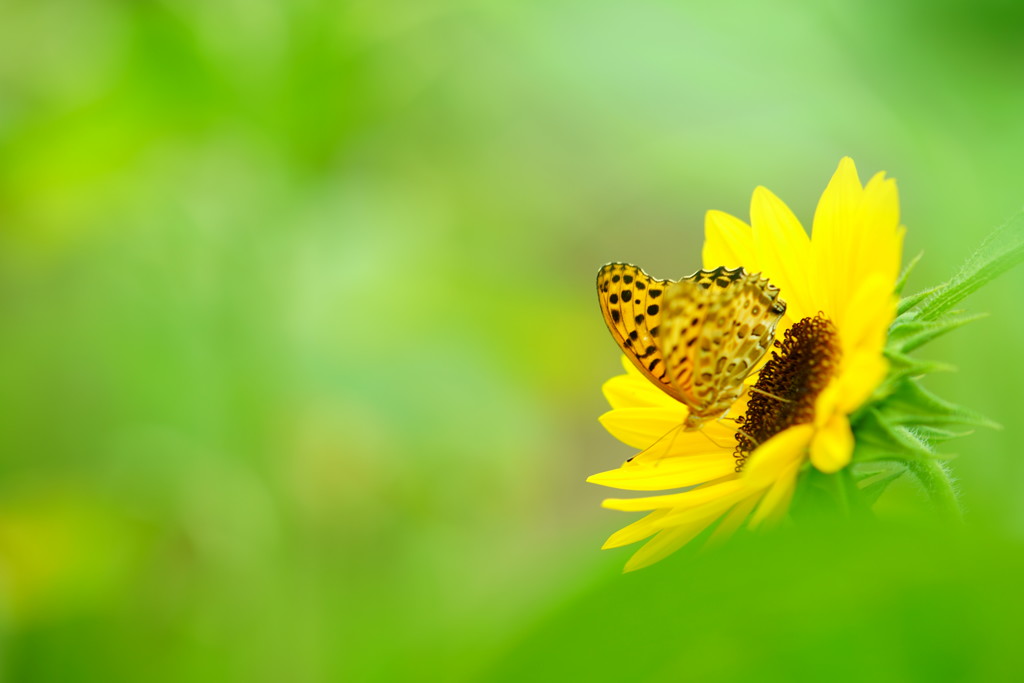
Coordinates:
300	362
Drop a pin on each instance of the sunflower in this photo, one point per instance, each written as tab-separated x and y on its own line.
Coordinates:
839	285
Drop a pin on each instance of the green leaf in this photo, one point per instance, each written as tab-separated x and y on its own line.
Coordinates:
910	334
1001	250
908	302
912	404
902	282
937	435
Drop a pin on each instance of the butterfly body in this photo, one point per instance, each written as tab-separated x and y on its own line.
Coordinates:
697	338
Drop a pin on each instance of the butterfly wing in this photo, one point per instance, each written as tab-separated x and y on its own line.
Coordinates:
631	303
697	338
718	324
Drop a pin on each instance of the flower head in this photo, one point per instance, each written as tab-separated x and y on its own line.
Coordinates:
839	284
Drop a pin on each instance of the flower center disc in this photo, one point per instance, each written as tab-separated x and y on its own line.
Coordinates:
789	383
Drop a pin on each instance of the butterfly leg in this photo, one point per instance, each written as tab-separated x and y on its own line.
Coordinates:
739	430
752	439
708	437
765	393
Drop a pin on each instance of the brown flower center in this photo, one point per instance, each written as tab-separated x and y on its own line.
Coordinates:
789	383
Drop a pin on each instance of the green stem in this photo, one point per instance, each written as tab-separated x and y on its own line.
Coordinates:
937	482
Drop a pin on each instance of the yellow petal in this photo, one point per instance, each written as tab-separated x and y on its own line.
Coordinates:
839	202
664	544
773	457
669	473
680	444
878	241
631	391
732	521
784	251
659	433
832	446
776	501
642	427
833	234
637	531
827	404
689	515
686	499
860	376
631	369
728	242
864	322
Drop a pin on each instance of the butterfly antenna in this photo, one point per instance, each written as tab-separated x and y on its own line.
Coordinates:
675	435
675	430
739	430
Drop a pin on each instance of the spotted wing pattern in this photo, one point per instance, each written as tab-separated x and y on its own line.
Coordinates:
699	337
631	302
720	323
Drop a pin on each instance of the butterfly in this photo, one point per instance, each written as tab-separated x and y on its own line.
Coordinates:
697	338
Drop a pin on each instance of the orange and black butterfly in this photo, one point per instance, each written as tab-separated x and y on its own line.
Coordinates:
697	338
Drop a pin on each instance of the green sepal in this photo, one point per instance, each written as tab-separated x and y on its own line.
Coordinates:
939	435
912	404
875	477
934	476
879	438
903	368
819	493
908	334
